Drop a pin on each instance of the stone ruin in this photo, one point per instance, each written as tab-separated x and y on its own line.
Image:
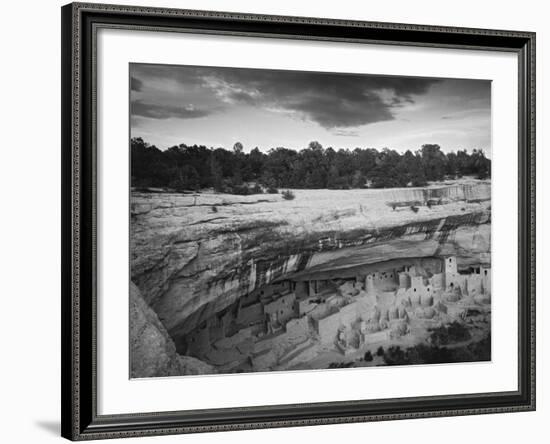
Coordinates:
289	321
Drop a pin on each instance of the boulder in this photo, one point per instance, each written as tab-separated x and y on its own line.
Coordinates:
152	351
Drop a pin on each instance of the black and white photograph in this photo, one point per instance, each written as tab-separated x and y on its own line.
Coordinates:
295	220
274	222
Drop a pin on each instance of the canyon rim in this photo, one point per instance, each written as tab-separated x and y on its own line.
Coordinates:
291	220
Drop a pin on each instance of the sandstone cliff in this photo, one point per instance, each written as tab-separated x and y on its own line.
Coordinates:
193	255
152	351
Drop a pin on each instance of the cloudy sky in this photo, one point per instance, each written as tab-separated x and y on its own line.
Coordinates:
217	107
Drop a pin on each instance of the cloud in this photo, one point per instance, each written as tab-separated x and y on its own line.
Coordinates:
136	84
156	111
469	113
345	133
332	100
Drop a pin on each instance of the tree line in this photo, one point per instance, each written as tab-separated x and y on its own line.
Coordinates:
195	167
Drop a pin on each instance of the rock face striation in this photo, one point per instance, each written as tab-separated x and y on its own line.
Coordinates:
192	255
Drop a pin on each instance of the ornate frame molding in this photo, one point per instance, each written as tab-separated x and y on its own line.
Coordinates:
80	22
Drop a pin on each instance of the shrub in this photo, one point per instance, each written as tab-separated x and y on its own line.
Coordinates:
288	195
242	190
414	209
214	209
448	334
395	356
143	190
341	364
272	190
380	351
419	182
482	175
368	356
256	189
426	354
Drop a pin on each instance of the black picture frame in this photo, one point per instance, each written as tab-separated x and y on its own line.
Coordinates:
80	22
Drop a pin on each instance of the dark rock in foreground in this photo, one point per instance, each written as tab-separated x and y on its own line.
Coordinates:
152	351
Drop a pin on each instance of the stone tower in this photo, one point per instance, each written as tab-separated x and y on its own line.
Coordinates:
486	280
451	271
369	284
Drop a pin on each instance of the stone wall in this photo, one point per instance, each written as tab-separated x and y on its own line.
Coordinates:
437	281
327	328
297	326
282	308
251	314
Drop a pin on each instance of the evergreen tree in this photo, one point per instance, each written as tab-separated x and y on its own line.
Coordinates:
184	167
216	174
433	161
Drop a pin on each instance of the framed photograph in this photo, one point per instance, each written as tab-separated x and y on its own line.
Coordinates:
281	221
